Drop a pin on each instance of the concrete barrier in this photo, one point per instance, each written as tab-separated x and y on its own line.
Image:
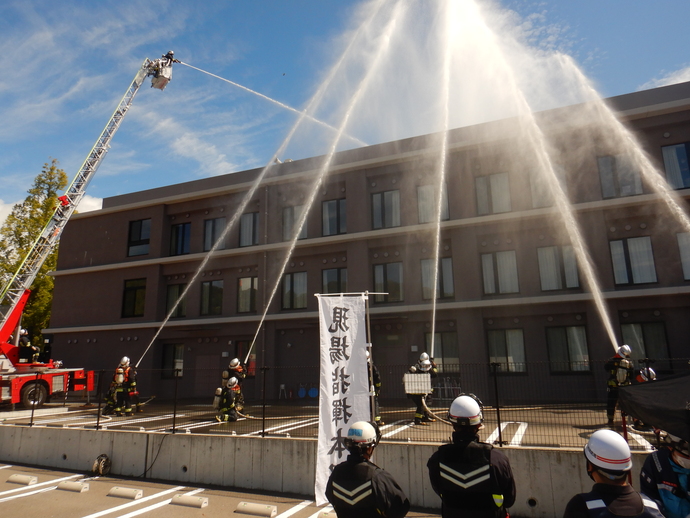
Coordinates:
546	478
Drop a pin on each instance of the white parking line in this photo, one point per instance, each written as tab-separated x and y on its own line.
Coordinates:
396	430
517	437
285	427
641	441
295	509
135	502
156	506
5	467
34	486
326	509
23	495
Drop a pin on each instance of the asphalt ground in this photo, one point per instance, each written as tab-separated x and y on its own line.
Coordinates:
45	499
537	426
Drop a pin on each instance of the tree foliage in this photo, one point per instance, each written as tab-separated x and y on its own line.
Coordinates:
21	228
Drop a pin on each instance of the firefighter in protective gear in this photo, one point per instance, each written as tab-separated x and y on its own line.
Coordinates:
118	385
608	464
375	382
130	387
237	370
26	350
643	376
472	478
422	416
358	488
228	402
620	369
665	477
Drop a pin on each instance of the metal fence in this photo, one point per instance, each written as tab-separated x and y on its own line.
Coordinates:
528	404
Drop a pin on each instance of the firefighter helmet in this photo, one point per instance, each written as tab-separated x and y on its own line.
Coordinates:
124	361
425	365
232	382
608	452
624	350
234	363
362	435
466	410
23	332
647	374
423	356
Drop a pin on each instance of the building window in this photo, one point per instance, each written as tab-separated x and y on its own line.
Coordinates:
633	260
676	165
334	280
213	228
179	238
295	290
499	272
647	340
246	294
557	268
684	248
133	298
507	348
619	176
173	360
249	229
541	192
211	298
334	217
386	209
567	348
139	237
426	203
444	284
493	194
446	352
291	217
173	295
388	278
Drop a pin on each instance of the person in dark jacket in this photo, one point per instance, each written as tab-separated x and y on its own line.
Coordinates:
608	464
358	488
473	479
227	411
665	477
620	369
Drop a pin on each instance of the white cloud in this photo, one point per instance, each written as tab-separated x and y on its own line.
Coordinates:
90	203
671	78
5	209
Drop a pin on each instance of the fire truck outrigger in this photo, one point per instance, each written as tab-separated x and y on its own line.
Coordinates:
24	377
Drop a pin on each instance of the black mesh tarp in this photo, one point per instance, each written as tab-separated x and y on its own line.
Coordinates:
664	404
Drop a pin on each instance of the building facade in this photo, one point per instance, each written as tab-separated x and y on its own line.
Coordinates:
511	287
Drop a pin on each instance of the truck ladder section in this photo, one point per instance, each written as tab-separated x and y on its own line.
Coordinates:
16	291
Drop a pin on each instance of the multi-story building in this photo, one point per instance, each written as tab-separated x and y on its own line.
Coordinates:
511	288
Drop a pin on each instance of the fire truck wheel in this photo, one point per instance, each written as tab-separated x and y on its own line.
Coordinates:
33	395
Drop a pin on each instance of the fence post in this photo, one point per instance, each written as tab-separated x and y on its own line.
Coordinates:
264	369
99	394
494	369
177	371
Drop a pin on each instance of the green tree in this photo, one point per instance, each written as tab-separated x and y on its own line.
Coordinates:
17	234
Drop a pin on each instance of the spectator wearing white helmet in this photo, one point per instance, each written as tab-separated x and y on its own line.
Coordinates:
608	465
358	488
665	477
621	372
472	478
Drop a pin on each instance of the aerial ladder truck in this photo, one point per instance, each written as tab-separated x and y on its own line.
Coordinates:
24	377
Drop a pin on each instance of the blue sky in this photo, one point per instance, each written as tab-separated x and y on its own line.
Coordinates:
66	64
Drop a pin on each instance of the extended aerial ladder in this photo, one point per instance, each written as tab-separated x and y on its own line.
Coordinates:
15	293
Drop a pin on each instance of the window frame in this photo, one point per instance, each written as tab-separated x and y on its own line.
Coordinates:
142	227
213	229
172	293
633	340
426	203
627	263
172	360
382	286
506	367
385	213
679	179
134	298
254	238
340	208
611	176
488	192
291	216
254	288
340	281
445	270
180	237
496	275
585	365
290	297
211	298
565	270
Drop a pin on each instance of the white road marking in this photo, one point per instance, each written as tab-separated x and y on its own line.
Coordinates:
14	497
34	486
135	502
156	506
285	427
641	441
517	437
326	509
295	509
5	467
396	430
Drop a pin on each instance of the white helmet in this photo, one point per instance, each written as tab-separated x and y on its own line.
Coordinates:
425	365
624	350
124	361
232	382
423	356
609	452
367	353
361	434
23	332
465	411
234	363
648	374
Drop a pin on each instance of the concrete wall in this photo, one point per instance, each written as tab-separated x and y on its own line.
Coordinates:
545	479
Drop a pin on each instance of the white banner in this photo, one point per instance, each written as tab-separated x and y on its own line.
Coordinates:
344	383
